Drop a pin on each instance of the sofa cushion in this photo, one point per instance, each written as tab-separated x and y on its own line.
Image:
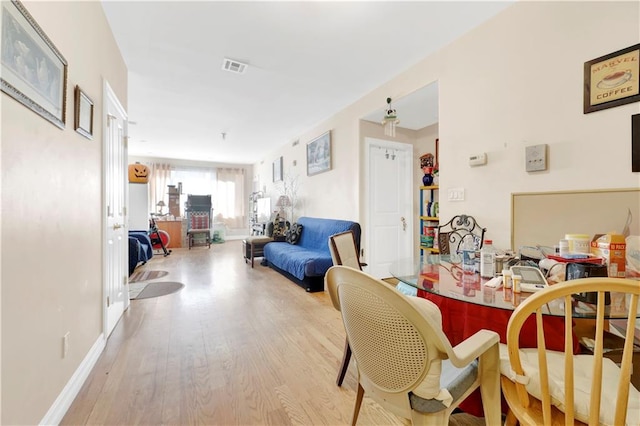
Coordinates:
293	233
317	232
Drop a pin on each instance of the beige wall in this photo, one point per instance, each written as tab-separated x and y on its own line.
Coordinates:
51	219
512	82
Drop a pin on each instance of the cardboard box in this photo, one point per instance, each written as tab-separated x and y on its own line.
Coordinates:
612	248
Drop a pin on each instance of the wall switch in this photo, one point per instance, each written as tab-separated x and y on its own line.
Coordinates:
536	158
456	194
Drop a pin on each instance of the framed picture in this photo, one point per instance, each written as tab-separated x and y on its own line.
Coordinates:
635	143
319	154
612	80
83	121
277	170
34	72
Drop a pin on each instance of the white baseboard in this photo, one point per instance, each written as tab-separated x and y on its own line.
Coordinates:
63	401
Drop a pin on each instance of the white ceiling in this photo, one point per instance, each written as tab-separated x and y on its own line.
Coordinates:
306	61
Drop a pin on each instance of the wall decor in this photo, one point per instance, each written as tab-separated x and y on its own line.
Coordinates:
277	170
83	120
34	72
319	154
612	80
635	143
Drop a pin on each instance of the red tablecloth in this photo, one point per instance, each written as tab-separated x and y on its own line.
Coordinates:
461	320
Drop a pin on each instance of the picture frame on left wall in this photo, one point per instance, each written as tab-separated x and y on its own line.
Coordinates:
83	117
277	169
34	72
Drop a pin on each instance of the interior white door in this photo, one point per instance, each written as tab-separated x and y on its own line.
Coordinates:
389	204
115	271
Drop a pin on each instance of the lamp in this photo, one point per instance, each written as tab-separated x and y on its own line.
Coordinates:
283	201
160	205
390	120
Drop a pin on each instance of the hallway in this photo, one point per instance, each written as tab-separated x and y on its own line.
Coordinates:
235	346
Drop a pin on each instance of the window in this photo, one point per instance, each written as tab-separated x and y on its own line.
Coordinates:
225	185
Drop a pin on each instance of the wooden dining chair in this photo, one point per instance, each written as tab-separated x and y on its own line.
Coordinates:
544	387
344	251
405	362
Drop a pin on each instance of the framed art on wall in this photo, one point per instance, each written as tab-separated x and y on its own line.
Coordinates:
612	80
83	119
277	170
34	72
319	154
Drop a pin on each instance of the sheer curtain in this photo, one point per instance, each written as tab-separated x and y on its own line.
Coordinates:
195	181
229	200
160	175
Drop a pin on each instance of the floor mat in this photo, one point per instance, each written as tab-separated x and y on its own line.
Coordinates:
155	289
146	276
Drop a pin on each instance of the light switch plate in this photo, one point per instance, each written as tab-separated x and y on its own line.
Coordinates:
456	194
536	158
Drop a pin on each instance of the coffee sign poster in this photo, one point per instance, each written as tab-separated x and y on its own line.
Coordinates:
612	80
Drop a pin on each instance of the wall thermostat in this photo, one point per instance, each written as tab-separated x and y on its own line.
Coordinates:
478	159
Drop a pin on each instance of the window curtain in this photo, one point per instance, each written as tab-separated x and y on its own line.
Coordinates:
160	175
229	200
194	181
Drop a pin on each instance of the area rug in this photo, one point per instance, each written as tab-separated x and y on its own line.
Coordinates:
154	289
146	276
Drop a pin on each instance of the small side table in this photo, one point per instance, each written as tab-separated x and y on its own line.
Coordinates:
254	247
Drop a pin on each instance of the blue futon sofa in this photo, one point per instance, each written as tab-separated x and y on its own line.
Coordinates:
307	261
140	249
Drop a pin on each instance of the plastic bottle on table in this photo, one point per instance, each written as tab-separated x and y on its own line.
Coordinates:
507	281
488	259
516	283
468	255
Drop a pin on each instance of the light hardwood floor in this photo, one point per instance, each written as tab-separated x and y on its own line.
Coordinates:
236	346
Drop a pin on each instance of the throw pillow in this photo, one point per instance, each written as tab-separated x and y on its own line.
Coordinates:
293	234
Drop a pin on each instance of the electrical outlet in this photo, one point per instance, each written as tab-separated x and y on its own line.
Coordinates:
536	158
65	344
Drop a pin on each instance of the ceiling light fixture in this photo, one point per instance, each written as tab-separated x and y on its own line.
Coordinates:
390	120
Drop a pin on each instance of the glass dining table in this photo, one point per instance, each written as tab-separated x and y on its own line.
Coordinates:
468	305
443	276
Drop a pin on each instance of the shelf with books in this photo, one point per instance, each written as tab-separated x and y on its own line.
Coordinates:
429	219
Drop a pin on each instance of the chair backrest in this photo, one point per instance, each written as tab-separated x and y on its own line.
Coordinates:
452	233
393	343
199	220
549	376
344	250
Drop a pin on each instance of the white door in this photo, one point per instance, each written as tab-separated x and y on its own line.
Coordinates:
115	270
389	188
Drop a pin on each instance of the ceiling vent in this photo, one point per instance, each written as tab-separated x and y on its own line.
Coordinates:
233	66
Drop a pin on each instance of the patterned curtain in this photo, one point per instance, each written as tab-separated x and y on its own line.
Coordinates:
229	201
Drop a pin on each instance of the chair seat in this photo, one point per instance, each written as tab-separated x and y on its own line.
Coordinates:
582	367
455	380
198	231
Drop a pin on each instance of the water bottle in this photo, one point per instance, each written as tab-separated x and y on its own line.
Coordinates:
468	255
488	260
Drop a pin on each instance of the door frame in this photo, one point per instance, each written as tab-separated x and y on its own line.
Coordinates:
110	100
407	179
